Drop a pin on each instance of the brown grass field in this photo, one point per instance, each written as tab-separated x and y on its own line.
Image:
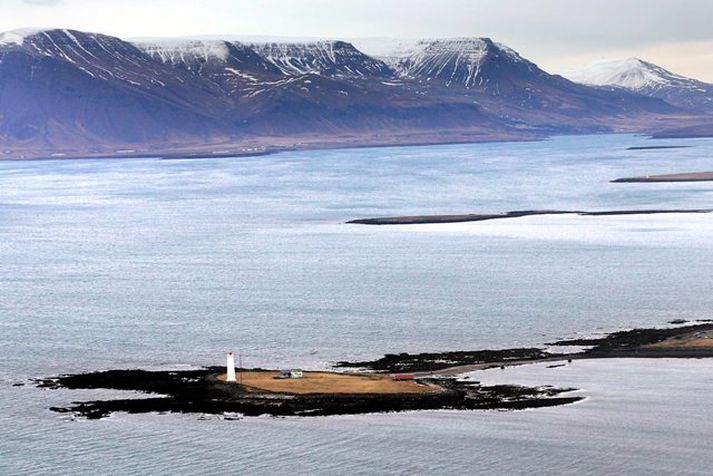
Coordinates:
691	340
331	383
684	177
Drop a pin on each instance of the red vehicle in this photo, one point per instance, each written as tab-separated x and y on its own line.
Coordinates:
402	376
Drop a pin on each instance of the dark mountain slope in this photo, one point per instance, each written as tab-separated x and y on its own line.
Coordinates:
62	88
514	88
648	79
85	93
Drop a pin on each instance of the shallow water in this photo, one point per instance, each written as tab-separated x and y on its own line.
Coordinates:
150	263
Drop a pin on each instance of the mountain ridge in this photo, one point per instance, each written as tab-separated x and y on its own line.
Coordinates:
648	79
78	93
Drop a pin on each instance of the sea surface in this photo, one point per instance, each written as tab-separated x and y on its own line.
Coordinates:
146	263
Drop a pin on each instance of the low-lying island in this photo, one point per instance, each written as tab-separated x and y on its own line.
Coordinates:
380	385
469	217
205	391
669	178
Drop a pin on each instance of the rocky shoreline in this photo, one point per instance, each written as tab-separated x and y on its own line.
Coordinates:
200	392
203	392
436	361
629	343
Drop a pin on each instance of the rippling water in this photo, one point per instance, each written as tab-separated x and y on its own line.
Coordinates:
149	263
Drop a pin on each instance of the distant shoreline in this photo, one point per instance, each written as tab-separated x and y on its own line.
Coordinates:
657	147
472	217
668	178
273	145
267	146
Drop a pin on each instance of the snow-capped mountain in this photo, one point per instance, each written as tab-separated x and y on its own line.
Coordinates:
244	69
65	89
460	62
89	52
307	87
71	90
332	58
500	80
59	85
504	83
234	67
649	79
630	73
190	54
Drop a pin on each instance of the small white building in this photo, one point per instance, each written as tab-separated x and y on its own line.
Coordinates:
290	373
230	367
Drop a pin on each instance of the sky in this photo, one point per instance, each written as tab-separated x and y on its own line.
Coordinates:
556	34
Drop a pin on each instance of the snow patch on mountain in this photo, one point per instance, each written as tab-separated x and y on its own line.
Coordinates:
648	79
452	60
19	35
386	49
95	55
322	57
185	51
399	48
630	73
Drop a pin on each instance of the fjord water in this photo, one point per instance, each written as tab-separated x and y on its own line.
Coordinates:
168	263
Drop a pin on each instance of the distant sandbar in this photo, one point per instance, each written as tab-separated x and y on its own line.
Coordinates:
684	177
432	219
657	147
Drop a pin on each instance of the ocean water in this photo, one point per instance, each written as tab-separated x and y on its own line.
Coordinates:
168	263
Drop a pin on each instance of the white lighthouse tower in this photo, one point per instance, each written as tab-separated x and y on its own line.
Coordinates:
231	368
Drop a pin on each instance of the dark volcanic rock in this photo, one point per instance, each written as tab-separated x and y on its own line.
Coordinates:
433	361
197	391
632	339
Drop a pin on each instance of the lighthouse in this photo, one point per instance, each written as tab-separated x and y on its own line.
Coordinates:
231	368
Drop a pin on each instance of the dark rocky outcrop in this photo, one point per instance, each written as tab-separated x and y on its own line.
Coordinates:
198	391
434	361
